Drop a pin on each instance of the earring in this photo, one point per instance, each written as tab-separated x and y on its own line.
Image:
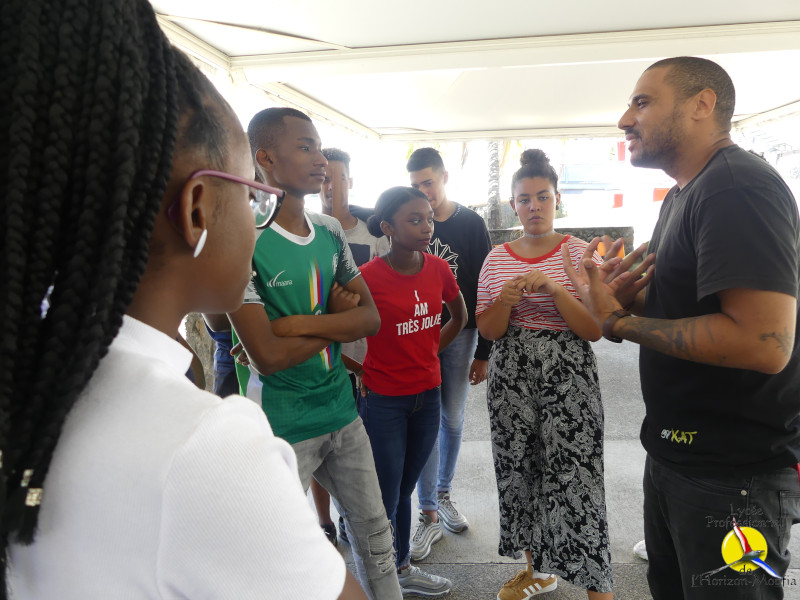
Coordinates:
200	243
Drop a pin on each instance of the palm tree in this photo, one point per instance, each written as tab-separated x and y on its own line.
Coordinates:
493	217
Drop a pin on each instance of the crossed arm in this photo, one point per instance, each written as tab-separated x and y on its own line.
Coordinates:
753	330
273	346
352	315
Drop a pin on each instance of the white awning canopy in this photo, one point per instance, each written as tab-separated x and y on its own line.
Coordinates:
463	69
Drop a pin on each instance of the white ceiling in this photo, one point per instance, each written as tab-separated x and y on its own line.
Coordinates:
462	69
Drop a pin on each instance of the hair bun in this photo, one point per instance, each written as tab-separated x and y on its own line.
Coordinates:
534	157
374	226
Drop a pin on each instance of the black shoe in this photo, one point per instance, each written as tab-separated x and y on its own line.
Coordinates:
343	532
330	533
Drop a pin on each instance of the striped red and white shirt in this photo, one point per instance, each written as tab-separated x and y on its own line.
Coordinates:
536	310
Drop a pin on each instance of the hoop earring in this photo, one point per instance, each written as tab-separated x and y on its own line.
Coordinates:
200	243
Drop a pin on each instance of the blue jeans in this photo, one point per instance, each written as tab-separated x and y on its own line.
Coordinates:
437	476
341	461
686	519
225	382
402	430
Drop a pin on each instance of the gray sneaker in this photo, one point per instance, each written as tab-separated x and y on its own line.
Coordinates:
426	533
416	582
449	516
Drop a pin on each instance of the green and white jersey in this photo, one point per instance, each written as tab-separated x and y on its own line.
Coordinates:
293	276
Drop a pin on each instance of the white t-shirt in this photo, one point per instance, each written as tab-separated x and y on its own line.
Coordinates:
160	490
364	247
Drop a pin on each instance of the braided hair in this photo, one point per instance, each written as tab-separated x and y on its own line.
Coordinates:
93	101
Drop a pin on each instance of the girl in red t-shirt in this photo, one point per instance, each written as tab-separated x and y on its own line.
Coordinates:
400	401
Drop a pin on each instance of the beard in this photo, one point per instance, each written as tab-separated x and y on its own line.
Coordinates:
661	147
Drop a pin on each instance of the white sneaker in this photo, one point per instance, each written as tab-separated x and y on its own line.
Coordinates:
449	516
426	533
640	550
416	582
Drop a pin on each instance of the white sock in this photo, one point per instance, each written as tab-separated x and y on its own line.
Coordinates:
537	575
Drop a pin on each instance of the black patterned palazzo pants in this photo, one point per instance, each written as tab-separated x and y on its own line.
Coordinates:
546	419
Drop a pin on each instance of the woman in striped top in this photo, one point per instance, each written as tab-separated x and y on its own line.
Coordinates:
545	410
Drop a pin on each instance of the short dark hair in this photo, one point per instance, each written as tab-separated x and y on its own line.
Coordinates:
268	124
422	158
535	163
338	156
389	202
690	75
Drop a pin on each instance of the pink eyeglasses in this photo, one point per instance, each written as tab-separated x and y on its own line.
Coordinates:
265	201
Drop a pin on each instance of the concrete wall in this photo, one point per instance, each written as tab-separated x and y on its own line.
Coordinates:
501	236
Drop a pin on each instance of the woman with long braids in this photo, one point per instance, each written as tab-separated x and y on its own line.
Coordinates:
127	202
545	412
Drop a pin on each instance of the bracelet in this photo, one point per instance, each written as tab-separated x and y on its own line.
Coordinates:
608	325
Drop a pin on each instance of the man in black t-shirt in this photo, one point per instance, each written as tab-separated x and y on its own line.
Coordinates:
717	325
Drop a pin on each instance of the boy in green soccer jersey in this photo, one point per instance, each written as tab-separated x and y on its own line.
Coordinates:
335	200
307	297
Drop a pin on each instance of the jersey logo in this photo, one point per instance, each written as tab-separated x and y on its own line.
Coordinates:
275	283
443	251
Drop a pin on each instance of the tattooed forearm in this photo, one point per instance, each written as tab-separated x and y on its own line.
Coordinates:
677	338
784	340
713	339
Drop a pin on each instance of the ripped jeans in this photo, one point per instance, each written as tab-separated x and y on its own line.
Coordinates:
342	462
403	430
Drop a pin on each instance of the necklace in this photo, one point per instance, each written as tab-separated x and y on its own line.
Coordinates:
537	236
389	260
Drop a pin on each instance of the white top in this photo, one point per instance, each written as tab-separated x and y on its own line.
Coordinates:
160	490
364	247
361	236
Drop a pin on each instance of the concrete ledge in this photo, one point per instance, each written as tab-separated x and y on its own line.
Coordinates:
501	236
